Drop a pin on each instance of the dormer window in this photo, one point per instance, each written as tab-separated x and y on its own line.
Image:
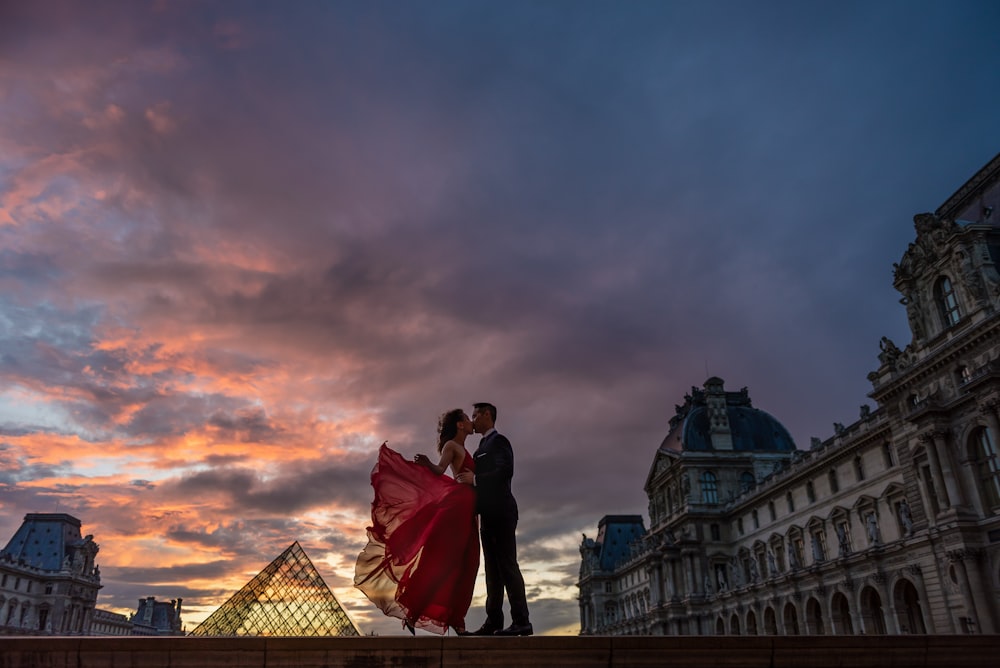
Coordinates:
947	303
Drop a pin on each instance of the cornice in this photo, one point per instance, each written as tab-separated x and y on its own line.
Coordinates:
961	196
935	360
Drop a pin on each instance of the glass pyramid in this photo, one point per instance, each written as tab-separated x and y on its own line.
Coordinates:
288	598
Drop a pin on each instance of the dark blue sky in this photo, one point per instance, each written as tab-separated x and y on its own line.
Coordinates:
241	244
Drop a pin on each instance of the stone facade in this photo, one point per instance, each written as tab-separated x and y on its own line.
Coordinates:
108	623
157	618
48	578
891	526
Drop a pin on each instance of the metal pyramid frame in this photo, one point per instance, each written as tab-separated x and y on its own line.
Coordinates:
287	598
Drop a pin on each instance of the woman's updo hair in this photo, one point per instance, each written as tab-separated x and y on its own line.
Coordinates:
448	426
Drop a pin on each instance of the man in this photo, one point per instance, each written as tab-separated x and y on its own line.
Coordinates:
497	522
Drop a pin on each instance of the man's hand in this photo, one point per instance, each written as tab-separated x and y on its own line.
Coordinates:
466	478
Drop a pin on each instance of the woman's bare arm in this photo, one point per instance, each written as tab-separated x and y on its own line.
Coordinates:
448	458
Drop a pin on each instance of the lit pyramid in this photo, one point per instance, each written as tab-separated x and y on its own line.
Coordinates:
288	598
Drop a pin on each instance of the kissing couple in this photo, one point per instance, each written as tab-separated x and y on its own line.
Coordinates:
422	557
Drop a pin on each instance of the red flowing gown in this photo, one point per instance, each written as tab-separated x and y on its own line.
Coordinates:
422	556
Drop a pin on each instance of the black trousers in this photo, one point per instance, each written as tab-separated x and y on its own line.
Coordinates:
502	571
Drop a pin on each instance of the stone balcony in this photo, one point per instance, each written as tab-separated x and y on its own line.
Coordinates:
952	651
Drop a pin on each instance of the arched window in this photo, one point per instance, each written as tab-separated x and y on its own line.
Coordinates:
842	615
747	481
908	610
770	622
983	451
872	617
946	301
709	488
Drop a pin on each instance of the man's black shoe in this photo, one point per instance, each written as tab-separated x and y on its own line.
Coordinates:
484	630
516	630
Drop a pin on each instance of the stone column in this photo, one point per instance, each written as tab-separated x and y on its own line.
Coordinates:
888	605
925	495
951	477
699	574
935	464
688	563
989	411
854	607
655	585
978	584
916	575
958	559
672	579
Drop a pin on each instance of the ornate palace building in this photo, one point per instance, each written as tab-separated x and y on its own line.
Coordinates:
48	578
890	526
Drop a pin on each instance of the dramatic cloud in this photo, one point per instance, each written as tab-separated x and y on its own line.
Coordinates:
242	244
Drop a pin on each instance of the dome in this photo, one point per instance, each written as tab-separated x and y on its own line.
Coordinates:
714	419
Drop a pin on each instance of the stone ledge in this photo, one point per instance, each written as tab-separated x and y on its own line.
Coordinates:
548	651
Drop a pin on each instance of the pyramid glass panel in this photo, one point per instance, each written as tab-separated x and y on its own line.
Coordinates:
287	598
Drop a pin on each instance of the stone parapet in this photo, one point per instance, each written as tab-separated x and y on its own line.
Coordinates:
952	651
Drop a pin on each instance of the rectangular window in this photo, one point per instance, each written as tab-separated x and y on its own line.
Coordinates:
859	469
843	539
770	510
887	455
818	546
756	520
790	502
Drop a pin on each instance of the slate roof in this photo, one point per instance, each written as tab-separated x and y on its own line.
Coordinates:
44	540
614	533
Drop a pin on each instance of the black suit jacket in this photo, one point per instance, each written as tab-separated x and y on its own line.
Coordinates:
494	469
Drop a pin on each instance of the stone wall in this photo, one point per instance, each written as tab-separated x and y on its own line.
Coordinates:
952	651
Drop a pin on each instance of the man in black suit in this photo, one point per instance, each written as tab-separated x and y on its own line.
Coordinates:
497	522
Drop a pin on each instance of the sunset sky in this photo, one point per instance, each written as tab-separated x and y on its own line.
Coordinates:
244	243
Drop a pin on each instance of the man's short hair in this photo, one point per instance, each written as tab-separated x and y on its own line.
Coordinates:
483	406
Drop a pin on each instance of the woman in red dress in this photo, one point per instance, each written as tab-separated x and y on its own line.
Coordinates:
422	556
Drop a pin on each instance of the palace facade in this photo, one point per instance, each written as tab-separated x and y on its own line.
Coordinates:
48	578
890	526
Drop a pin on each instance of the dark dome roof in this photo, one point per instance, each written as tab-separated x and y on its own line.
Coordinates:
750	429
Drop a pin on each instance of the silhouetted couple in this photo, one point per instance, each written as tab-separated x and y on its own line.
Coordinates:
422	557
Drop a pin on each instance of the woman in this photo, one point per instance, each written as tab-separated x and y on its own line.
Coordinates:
422	556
